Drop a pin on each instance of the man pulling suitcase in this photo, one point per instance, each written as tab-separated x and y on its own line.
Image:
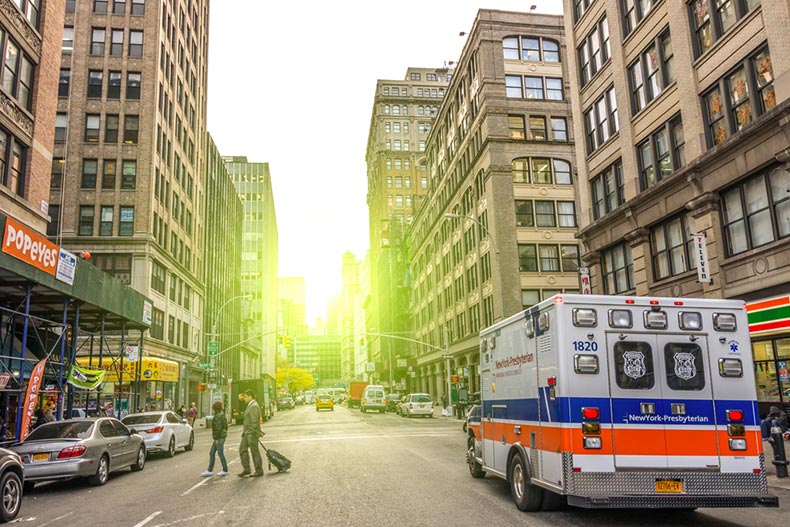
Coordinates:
250	434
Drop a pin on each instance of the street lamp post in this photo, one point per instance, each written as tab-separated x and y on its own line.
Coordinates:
214	336
447	366
451	215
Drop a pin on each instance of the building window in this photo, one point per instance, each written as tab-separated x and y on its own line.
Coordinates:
56	174
757	211
659	155
71	5
527	258
671	246
31	9
537	128
61	127
711	19
108	174
116	46
86	220
601	121
53	227
17	73
100	7
90	168
133	81
105	221
617	269
65	83
535	88
114	85
129	174
131	125
524	217
95	84
157	322
652	72
594	51
580	7
559	129
111	128
634	11
545	214
67	42
529	48
608	191
135	43
734	101
158	277
516	127
569	256
98	38
126	223
119	7
538	170
566	213
138	7
92	128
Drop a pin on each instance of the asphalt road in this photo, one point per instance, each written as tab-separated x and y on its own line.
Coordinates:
349	469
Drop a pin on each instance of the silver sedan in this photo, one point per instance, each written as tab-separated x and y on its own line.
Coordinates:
90	448
162	431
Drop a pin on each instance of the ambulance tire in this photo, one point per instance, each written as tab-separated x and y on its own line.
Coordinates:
526	496
475	468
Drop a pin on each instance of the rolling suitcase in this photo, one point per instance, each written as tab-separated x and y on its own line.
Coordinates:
275	458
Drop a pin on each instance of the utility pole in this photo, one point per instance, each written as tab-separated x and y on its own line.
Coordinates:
447	363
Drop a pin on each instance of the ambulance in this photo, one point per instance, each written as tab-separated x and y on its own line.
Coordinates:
621	402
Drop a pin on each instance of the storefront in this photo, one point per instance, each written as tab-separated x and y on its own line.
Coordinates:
769	327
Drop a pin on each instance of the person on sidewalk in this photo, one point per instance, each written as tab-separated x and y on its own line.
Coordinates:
219	431
250	433
191	415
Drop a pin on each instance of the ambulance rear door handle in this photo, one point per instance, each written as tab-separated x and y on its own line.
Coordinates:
678	408
647	408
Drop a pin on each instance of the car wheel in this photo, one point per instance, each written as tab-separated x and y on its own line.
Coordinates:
191	443
11	487
475	468
137	467
171	447
526	496
102	472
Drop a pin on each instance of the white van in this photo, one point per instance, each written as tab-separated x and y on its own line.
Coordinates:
373	398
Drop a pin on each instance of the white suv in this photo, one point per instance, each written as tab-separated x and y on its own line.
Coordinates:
416	404
373	399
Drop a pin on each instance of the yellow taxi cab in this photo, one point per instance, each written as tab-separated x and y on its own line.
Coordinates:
324	401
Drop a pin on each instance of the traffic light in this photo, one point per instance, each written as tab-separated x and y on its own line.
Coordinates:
287	341
454	379
201	387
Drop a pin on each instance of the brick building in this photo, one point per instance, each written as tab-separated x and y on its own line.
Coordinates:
682	110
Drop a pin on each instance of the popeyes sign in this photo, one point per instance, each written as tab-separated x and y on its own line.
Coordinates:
22	242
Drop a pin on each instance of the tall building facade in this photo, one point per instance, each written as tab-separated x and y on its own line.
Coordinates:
293	314
320	355
350	293
496	231
224	299
31	47
128	171
258	266
402	117
683	109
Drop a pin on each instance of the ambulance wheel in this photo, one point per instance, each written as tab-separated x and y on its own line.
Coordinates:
475	468
526	496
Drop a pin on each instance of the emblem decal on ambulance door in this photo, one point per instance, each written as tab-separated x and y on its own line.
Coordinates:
634	365
684	365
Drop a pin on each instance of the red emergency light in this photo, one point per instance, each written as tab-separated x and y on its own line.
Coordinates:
735	415
590	413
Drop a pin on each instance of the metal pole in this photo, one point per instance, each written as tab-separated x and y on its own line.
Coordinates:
447	364
23	353
120	370
64	336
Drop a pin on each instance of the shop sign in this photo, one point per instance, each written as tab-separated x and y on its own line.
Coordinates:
701	255
132	352
769	315
67	267
27	245
4	377
31	397
584	280
147	312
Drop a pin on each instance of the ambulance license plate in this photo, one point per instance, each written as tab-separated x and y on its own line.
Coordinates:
672	486
40	457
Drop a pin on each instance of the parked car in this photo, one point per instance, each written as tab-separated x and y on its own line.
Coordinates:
11	484
324	401
162	431
472	416
89	448
392	402
285	403
373	398
416	404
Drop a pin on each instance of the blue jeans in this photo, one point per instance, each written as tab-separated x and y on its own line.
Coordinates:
219	449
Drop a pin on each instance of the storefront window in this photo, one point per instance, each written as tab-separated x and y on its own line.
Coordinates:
772	370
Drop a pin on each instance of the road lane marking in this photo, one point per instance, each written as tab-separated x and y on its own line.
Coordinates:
56	519
151	517
191	518
366	436
205	480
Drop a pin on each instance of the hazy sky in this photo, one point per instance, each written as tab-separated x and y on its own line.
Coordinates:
292	84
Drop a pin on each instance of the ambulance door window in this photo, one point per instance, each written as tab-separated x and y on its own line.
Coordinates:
634	368
684	364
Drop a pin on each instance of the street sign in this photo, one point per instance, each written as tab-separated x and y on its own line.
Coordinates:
213	349
212	386
205	365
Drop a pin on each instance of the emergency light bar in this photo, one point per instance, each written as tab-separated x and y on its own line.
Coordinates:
724	322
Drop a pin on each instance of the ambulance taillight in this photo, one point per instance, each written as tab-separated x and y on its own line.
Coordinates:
590	425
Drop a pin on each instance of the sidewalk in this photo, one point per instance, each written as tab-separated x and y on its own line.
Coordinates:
770	469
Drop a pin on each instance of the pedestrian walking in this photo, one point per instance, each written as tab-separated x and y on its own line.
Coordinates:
250	434
182	412
191	414
219	431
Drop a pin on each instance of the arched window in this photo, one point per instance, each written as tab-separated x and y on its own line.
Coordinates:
387	109
405	110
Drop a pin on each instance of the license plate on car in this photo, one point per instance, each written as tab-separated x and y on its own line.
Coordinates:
40	457
672	486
